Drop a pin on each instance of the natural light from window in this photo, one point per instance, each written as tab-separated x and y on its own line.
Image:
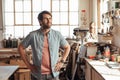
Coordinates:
20	16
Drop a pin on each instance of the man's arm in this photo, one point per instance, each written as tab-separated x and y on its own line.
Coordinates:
22	52
23	56
60	63
66	52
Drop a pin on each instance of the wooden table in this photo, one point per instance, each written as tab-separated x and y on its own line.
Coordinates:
12	53
7	71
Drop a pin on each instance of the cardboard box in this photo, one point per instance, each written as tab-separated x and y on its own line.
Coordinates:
91	51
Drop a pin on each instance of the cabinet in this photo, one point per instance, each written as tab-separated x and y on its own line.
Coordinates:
88	70
91	73
96	75
98	70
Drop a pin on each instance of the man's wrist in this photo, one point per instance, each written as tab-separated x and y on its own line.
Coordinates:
62	61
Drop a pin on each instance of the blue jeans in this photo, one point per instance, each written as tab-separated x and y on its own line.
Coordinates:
46	77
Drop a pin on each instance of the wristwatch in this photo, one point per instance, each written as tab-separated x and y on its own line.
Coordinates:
62	61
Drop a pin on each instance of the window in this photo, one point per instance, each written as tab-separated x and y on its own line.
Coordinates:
22	12
20	16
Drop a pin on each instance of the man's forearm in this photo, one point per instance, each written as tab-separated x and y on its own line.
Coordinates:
66	52
23	55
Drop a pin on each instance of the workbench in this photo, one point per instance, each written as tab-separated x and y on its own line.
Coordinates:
7	71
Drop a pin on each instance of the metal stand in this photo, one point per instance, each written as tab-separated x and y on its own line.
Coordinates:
82	51
80	57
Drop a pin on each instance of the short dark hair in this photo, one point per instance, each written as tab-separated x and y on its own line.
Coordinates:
40	15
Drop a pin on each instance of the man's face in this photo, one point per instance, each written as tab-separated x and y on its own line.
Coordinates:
46	23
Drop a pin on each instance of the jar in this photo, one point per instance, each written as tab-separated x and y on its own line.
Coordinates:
107	52
118	58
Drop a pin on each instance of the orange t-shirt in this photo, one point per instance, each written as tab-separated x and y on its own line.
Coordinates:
45	66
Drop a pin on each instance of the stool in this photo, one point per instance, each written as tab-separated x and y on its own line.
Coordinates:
22	74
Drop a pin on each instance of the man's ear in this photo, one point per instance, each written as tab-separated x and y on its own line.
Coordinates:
40	22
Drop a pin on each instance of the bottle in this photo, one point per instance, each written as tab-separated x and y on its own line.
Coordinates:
99	55
10	41
107	52
14	43
4	43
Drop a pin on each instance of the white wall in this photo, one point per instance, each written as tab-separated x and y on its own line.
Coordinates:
84	5
1	24
90	6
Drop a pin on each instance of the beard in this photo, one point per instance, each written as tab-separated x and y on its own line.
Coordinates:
46	26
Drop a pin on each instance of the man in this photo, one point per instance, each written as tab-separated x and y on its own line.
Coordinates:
91	36
45	43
